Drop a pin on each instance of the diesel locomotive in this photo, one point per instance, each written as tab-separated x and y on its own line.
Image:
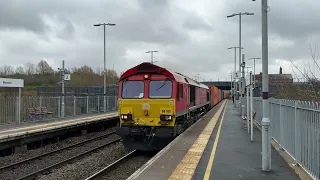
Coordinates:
156	105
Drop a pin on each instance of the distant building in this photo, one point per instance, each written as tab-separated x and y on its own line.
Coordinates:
275	80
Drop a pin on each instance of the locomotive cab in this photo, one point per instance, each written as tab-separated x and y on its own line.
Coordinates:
147	100
146	106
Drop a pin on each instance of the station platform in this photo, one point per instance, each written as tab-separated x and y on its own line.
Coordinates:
13	131
218	147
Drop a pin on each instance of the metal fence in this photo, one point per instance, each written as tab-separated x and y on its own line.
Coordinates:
74	105
295	125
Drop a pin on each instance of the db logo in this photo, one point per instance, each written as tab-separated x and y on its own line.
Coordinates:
145	106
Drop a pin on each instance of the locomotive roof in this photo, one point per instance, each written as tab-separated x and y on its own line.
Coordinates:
147	67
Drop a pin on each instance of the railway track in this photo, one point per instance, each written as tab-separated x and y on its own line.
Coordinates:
123	167
44	156
111	166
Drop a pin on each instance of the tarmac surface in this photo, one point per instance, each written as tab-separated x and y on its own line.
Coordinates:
236	157
221	140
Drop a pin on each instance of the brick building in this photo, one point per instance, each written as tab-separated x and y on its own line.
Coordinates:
275	80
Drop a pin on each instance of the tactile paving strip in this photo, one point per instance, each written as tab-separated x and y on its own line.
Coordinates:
188	165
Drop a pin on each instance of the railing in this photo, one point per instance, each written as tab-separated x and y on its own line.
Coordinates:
295	125
74	105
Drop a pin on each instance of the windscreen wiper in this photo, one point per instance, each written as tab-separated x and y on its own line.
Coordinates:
164	83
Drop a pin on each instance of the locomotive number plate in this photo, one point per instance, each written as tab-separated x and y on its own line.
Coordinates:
165	111
145	106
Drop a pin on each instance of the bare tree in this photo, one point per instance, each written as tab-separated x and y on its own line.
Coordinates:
20	70
44	68
85	70
6	70
99	71
29	68
309	88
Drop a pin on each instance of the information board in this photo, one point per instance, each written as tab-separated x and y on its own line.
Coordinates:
8	82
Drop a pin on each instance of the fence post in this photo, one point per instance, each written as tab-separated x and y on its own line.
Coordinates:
98	104
248	127
17	110
296	135
74	105
40	103
281	124
115	102
107	104
59	107
87	104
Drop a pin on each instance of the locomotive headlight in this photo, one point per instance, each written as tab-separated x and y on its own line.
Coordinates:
165	117
126	116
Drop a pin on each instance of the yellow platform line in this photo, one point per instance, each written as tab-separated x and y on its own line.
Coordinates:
209	166
189	163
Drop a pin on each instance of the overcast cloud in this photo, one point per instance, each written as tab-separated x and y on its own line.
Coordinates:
191	36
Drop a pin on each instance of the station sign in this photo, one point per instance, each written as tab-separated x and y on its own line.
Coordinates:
236	75
67	77
8	82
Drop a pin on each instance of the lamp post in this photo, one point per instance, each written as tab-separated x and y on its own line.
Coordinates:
254	71
151	52
232	15
235	69
265	122
231	82
104	63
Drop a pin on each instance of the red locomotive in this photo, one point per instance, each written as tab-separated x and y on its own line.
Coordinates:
156	105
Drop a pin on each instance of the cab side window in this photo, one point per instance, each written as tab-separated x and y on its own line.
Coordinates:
180	91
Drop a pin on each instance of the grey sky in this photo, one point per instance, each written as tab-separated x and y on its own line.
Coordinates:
191	36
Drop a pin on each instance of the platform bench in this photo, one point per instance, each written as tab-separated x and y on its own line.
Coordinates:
36	112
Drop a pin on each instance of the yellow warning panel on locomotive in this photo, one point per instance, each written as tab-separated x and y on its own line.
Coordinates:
168	111
126	110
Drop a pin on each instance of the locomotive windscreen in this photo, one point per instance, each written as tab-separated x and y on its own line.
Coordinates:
133	89
160	89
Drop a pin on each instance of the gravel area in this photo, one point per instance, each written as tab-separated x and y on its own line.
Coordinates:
50	147
46	161
125	169
84	167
